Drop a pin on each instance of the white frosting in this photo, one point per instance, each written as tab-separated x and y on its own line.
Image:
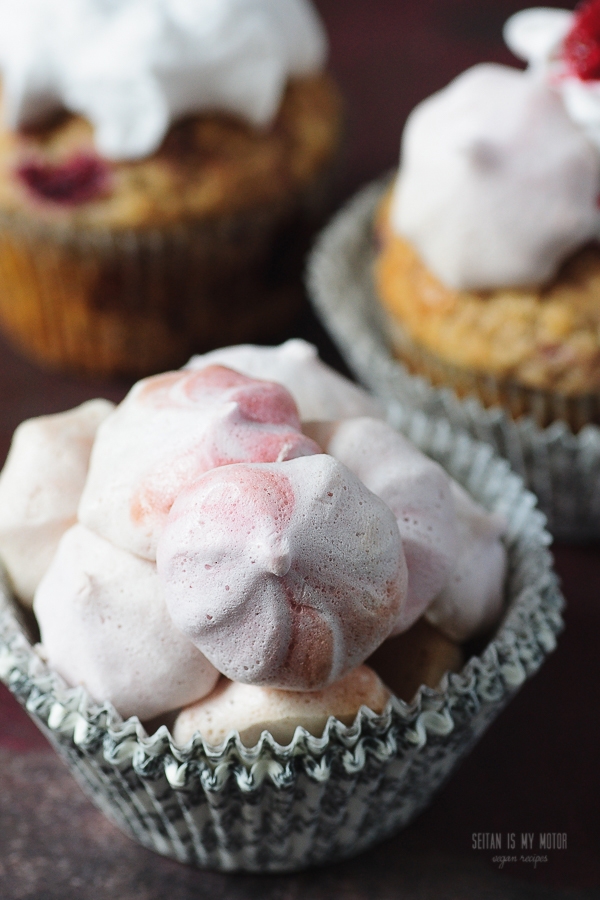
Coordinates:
286	574
321	393
472	599
418	492
536	36
168	431
134	66
497	184
40	487
249	710
104	625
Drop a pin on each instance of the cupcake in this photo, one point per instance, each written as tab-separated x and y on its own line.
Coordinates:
161	171
236	576
484	266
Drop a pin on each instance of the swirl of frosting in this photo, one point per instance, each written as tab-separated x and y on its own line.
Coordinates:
132	67
285	575
497	184
168	431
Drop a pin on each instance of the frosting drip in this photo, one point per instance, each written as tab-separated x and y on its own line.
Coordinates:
132	67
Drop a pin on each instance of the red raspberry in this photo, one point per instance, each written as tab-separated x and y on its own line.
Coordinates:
581	48
82	178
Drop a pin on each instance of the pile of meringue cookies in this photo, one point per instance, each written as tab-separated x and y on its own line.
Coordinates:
275	532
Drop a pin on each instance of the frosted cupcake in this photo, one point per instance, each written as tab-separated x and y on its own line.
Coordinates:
161	169
469	287
235	552
489	269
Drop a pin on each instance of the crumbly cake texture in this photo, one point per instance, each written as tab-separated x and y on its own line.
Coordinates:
210	165
128	268
542	338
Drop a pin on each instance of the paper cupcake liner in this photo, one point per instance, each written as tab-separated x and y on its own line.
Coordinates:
105	302
273	808
560	466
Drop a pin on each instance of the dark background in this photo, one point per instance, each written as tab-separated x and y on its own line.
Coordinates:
536	769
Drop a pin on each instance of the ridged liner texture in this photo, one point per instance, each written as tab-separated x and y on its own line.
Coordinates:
561	467
132	302
273	808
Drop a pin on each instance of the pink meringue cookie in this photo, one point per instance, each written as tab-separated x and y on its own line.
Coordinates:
320	392
168	431
286	574
40	487
472	599
415	488
104	625
249	710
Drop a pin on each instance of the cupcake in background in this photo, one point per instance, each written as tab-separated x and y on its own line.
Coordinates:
162	167
489	268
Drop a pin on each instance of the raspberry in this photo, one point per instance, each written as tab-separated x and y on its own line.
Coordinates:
81	178
581	48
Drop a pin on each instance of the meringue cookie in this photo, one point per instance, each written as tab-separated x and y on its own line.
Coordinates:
132	67
285	575
321	393
40	487
104	625
415	488
168	431
250	710
472	599
497	184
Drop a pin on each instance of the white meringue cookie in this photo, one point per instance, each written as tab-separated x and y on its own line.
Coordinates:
40	487
132	67
472	599
168	431
320	392
415	488
286	574
497	184
250	710
104	624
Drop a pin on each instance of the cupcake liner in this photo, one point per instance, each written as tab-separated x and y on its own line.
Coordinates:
562	467
132	302
271	808
543	407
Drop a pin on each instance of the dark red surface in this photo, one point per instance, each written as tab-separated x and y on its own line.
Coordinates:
582	44
80	179
536	769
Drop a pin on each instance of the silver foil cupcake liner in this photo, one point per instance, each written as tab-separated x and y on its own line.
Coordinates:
273	808
561	467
